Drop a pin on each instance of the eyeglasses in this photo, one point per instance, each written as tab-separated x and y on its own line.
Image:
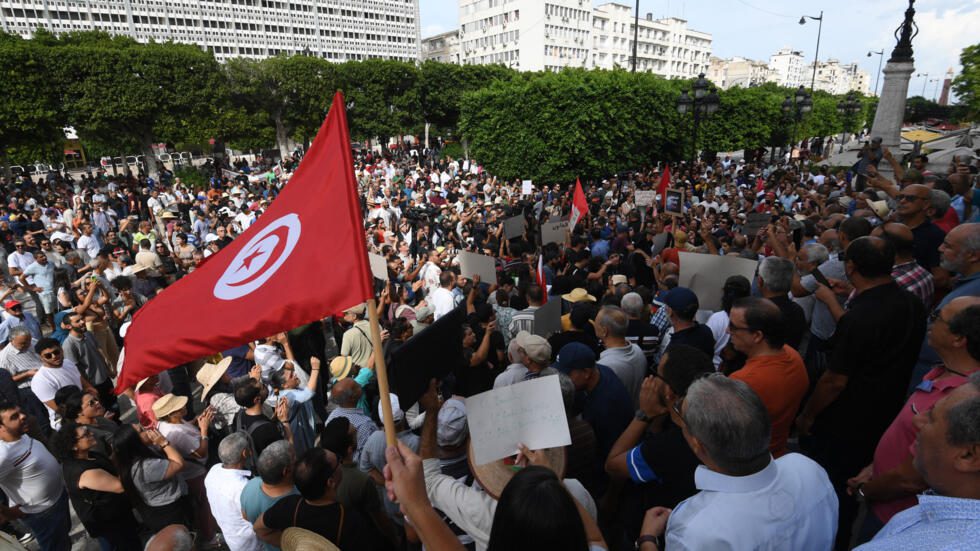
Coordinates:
936	315
904	197
732	328
52	354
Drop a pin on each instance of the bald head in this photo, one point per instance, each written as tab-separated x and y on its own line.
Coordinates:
345	393
900	237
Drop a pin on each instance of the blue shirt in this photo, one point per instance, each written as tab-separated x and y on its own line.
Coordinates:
600	248
29	322
966	286
608	408
937	523
255	502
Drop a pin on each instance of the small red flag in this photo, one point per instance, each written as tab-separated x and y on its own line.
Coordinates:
664	184
303	259
580	207
542	281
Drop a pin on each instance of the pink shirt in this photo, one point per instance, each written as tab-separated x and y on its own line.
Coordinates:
897	444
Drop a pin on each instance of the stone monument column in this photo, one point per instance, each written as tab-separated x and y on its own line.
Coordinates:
891	104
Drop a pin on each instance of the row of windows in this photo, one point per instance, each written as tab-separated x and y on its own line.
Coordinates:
567	13
486	22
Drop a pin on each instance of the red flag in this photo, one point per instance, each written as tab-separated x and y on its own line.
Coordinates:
664	184
303	259
580	206
542	281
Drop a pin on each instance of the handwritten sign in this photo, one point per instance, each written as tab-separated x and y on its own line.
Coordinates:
530	413
645	198
379	267
527	187
554	232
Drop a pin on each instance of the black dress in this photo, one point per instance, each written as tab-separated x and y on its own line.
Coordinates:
104	514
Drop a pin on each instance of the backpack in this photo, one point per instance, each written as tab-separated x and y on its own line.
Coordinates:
253	456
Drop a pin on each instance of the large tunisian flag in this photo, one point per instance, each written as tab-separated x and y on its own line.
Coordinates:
664	184
302	260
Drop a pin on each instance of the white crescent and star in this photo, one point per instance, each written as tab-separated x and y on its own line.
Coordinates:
259	259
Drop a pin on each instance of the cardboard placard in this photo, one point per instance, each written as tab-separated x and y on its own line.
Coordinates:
674	205
645	198
432	353
514	227
379	267
471	264
530	413
547	319
755	221
705	274
554	232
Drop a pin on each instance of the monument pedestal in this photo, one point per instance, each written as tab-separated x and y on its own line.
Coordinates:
891	110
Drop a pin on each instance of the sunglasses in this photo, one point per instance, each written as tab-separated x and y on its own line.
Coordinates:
54	354
904	197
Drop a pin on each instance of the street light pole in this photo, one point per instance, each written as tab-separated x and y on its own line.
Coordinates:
704	103
881	56
636	32
816	54
925	80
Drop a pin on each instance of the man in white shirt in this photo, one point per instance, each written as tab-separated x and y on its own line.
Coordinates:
88	241
32	481
19	260
224	484
747	500
441	299
56	372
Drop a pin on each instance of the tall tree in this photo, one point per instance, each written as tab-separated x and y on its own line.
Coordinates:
29	108
967	83
383	97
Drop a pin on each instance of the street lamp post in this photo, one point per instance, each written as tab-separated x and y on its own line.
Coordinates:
796	107
704	103
636	32
925	80
816	54
848	107
881	55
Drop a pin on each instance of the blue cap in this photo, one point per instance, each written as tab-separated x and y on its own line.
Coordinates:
681	299
574	355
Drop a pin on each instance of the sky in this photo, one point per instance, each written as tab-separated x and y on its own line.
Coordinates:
757	28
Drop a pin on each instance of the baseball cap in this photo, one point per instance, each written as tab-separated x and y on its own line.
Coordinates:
452	430
11	303
574	355
681	299
396	409
535	346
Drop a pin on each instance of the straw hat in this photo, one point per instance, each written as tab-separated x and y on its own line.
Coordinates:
167	404
495	475
881	208
577	295
167	215
301	539
210	374
340	367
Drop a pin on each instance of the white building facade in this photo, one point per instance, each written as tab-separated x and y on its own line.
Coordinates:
549	35
666	47
836	78
787	68
338	30
738	72
442	47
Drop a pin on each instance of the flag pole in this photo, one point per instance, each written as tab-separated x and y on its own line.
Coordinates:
381	372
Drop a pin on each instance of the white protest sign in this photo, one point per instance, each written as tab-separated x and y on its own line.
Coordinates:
527	187
705	274
379	267
645	198
554	232
471	264
530	413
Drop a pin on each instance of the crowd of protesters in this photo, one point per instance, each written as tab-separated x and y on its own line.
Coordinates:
832	401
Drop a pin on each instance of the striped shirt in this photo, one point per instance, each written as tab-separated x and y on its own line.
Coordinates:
18	361
916	280
523	321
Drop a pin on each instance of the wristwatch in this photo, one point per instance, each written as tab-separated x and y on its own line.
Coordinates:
641	416
657	541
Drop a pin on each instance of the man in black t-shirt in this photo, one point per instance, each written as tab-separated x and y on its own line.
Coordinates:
250	395
317	475
684	304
